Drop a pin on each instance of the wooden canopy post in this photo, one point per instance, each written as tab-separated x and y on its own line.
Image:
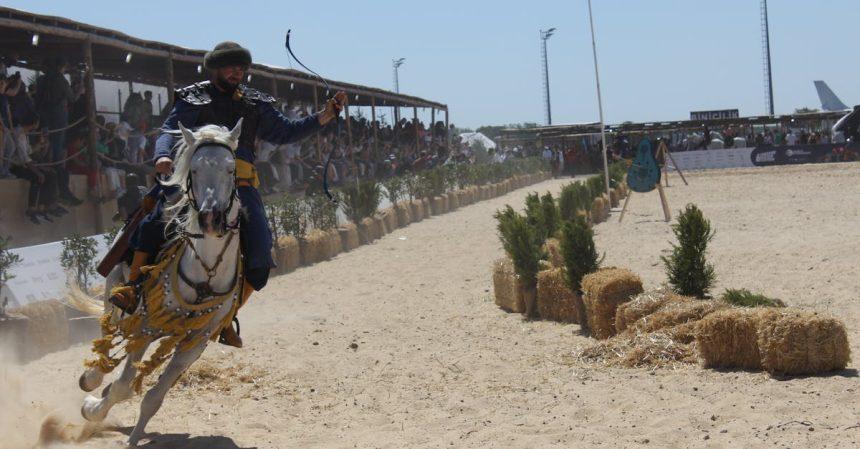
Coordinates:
415	127
274	86
92	135
432	125
317	108
447	133
348	130
171	86
375	128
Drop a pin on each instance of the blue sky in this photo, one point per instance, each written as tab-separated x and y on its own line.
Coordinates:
659	59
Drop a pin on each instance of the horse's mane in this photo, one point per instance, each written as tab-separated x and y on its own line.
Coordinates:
182	169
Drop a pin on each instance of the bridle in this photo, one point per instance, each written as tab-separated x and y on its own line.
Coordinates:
204	289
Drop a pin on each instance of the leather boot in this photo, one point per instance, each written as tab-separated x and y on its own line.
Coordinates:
124	297
230	336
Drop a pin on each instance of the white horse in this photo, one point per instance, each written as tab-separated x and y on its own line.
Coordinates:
206	275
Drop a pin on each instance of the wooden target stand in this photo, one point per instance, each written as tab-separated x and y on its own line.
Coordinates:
662	154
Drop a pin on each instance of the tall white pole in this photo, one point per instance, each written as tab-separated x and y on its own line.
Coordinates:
599	102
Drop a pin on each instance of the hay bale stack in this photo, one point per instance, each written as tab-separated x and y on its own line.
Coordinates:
403	213
597	210
613	198
463	197
289	254
333	243
476	193
677	316
607	208
438	205
349	238
728	338
314	247
552	246
555	300
416	210
453	201
796	342
47	328
642	305
603	291
506	286
367	231
379	226
426	205
389	216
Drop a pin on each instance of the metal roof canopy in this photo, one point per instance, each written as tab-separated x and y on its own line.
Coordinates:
563	131
149	60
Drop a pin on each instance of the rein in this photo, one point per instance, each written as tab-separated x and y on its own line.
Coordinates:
203	289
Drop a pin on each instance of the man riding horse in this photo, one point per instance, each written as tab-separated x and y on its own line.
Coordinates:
223	101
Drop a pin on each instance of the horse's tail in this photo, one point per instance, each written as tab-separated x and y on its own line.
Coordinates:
84	302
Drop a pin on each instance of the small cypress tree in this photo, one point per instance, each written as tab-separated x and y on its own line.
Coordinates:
293	217
523	246
577	249
567	202
689	272
8	259
534	214
550	214
78	257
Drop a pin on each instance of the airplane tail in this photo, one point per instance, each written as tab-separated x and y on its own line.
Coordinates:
829	100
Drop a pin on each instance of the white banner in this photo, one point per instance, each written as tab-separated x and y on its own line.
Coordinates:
706	159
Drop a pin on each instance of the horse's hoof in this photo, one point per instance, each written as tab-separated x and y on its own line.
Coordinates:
90	380
91	411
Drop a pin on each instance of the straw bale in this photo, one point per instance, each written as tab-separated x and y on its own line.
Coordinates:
379	226
463	197
437	204
613	198
389	216
404	215
289	254
416	210
631	350
677	310
552	246
349	238
796	342
314	247
728	338
597	210
607	208
603	291
476	193
426	205
555	300
333	243
506	286
643	304
367	232
47	328
453	201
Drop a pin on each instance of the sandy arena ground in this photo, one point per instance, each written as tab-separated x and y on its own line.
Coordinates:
436	364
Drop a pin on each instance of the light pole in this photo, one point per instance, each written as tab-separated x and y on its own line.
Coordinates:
395	63
544	36
599	102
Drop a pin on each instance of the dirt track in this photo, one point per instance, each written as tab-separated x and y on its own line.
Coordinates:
436	364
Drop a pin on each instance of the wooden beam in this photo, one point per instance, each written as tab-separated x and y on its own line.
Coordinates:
375	128
319	139
92	135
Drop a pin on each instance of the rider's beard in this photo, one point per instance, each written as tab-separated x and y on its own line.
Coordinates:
225	85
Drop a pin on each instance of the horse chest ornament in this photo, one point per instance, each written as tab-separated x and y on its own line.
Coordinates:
644	173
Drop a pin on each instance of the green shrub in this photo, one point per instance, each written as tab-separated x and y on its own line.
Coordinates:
111	234
578	252
534	214
413	186
574	196
596	187
550	215
395	189
521	244
292	217
272	211
745	298
321	212
361	201
8	259
689	272
78	258
617	172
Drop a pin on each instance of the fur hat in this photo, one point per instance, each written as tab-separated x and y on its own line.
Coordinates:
227	54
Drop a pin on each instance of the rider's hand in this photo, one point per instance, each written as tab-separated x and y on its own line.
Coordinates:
164	166
332	108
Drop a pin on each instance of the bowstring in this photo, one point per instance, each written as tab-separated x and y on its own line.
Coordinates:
337	120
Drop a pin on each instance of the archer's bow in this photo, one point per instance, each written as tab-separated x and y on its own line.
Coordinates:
336	119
